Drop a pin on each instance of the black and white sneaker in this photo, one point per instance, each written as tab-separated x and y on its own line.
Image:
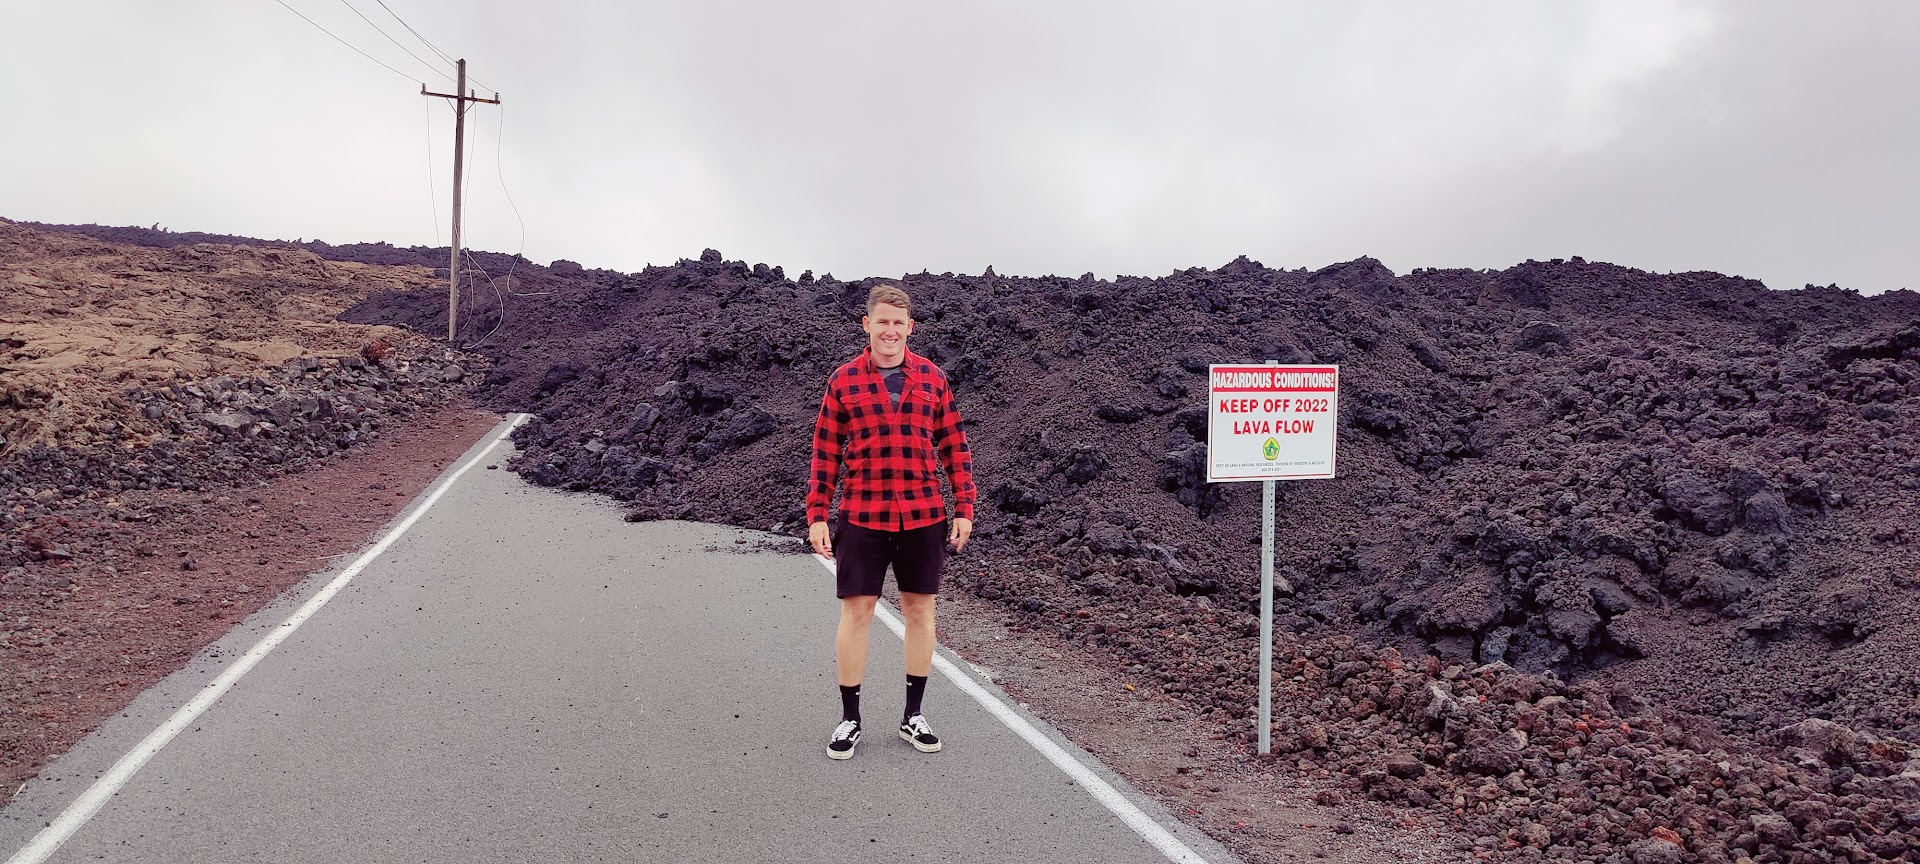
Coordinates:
845	736
914	730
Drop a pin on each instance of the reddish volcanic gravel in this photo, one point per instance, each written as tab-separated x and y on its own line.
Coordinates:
141	582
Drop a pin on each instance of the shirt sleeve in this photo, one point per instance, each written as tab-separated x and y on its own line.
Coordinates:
950	436
829	438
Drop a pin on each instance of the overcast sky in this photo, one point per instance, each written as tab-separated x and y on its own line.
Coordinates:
1778	141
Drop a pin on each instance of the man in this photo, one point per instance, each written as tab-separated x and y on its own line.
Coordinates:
889	413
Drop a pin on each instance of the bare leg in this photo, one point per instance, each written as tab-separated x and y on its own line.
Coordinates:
850	644
918	610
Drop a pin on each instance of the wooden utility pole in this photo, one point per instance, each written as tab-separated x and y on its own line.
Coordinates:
460	98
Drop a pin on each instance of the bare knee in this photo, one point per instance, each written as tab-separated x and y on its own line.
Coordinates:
917	608
857	611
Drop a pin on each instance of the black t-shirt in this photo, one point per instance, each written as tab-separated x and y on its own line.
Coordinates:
896	378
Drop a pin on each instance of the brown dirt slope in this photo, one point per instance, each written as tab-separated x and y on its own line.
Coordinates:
82	320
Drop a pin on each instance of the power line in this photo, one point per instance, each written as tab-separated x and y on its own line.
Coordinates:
350	44
501	297
433	194
396	42
499	145
416	34
424	41
499	300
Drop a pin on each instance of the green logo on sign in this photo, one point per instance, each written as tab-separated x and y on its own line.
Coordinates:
1271	449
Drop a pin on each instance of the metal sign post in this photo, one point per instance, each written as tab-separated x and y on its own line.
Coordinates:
1268	423
1266	616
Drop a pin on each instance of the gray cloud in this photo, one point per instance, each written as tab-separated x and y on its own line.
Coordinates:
1764	139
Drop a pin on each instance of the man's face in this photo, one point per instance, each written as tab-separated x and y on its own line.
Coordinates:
887	329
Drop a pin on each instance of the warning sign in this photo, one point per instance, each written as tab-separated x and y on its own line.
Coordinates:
1271	422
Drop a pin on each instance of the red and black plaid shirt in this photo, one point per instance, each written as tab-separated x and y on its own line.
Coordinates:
890	450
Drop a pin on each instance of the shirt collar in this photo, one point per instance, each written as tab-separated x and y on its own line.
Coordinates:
908	361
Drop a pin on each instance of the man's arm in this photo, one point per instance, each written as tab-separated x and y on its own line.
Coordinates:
950	437
829	439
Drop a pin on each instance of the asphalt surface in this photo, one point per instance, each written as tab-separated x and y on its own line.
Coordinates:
524	676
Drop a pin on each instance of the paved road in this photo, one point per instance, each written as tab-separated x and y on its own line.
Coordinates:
523	676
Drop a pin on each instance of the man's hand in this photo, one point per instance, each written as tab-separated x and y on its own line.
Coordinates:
958	534
817	535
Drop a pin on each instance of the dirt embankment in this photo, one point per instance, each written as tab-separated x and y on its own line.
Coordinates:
82	321
158	408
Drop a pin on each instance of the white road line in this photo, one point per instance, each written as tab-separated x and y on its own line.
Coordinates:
82	809
1102	791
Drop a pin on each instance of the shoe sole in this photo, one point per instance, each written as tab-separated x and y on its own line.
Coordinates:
924	748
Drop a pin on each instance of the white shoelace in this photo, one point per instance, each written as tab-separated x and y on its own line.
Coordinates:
844	730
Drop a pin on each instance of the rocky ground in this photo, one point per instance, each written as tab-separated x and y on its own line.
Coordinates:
1619	566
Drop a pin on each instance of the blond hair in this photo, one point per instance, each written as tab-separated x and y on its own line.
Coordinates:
889	294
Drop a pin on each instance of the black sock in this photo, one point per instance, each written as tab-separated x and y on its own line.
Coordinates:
916	688
850	703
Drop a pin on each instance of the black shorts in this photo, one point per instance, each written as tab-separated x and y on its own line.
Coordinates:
861	556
